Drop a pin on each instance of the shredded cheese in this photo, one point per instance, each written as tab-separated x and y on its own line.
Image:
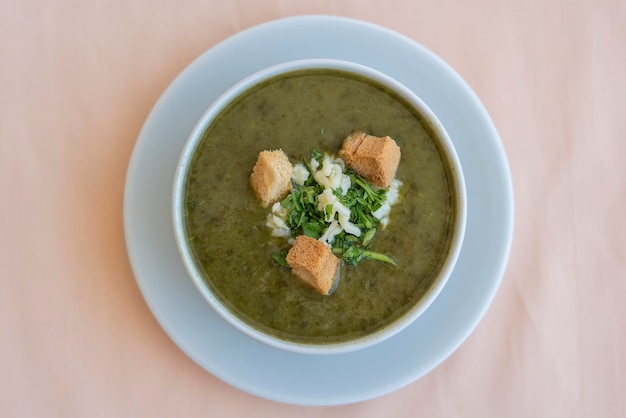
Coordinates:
300	174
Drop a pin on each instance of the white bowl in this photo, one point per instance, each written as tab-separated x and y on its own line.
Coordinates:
179	191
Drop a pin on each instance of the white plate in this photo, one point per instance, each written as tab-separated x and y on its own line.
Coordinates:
297	378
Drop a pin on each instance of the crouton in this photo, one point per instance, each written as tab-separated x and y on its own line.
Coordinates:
314	263
271	177
374	158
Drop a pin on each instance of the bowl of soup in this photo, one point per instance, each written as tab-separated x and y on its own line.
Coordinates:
306	109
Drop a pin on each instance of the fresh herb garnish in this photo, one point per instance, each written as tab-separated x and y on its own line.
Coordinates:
281	258
317	154
305	217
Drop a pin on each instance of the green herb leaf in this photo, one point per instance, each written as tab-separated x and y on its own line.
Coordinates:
313	229
378	257
281	258
328	212
317	154
353	255
368	236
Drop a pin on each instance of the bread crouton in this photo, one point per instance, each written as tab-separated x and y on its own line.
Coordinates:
374	158
271	177
314	263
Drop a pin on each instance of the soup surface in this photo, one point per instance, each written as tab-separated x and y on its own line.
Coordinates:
225	224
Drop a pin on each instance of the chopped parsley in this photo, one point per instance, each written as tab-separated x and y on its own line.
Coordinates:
305	217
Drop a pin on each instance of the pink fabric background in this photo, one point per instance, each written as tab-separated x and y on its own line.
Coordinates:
77	80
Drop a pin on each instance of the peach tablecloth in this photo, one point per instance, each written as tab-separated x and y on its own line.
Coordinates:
78	79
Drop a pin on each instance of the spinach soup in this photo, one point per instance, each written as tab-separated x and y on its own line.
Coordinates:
225	225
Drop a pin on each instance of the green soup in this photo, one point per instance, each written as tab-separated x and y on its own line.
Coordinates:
225	224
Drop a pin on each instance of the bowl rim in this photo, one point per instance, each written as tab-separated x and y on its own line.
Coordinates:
194	139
